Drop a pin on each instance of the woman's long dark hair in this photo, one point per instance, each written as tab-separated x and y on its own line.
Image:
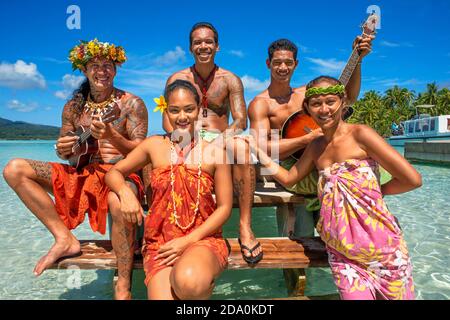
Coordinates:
80	95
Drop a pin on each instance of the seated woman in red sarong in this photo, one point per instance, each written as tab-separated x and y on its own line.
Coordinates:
183	248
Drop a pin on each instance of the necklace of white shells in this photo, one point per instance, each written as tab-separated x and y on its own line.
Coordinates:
172	182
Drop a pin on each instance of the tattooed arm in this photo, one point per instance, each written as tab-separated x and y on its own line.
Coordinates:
136	126
65	143
237	103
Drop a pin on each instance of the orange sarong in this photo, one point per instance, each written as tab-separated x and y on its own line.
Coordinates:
84	191
160	225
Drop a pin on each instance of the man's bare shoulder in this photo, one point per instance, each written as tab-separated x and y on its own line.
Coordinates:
71	110
300	90
260	104
231	78
125	96
185	74
71	105
224	72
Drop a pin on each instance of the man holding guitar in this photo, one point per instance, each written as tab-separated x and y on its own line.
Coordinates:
271	108
88	130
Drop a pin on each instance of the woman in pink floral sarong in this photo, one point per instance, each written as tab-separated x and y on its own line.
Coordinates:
367	253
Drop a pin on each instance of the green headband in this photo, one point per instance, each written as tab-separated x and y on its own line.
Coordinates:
337	89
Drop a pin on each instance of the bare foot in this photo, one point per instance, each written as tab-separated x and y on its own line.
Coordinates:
58	250
248	239
122	290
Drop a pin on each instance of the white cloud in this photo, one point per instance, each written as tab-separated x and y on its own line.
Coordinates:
327	66
147	74
305	49
57	61
62	94
253	84
21	75
396	44
69	83
171	57
236	53
144	82
390	82
21	107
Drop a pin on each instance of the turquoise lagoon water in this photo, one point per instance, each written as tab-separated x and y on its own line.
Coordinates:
424	215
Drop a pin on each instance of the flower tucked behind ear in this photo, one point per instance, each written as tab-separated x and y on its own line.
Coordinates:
161	104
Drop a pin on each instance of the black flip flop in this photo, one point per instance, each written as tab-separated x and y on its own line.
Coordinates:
250	259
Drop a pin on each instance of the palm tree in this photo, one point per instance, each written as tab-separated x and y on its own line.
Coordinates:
430	96
443	103
396	105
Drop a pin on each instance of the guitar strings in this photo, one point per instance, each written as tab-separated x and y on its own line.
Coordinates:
87	133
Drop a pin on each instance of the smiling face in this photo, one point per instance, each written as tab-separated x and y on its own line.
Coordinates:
326	110
203	46
182	111
100	72
282	65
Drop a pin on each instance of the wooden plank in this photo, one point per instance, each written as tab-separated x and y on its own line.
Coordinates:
278	253
271	195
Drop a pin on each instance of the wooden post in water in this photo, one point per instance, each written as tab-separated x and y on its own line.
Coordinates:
295	278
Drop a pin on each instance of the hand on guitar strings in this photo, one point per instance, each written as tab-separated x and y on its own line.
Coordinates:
99	129
313	134
363	45
64	145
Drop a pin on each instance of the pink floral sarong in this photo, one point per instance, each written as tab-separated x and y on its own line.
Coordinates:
367	253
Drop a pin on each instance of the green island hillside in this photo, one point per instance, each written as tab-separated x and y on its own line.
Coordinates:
19	130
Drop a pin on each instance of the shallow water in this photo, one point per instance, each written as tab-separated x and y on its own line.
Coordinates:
424	215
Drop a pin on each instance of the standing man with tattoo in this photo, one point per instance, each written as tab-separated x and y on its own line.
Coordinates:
81	191
222	92
271	108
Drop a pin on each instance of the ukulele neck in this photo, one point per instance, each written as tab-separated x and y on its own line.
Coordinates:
351	65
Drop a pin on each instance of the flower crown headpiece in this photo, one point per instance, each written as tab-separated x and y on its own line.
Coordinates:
336	89
85	51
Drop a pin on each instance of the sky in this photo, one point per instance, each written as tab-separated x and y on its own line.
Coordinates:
411	49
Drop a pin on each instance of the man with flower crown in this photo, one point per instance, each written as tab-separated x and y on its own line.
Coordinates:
80	190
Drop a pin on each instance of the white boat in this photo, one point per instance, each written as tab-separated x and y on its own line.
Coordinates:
422	128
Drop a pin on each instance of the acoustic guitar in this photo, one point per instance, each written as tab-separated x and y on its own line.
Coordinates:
299	124
87	145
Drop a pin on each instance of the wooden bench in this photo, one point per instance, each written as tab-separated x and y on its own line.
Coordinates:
292	255
279	253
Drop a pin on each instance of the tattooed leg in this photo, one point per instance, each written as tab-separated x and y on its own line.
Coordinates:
31	180
122	238
244	180
244	188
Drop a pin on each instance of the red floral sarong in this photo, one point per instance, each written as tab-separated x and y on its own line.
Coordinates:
80	192
160	225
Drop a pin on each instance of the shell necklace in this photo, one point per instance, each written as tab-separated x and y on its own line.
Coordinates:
98	107
172	183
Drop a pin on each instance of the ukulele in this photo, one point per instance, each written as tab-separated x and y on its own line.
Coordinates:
299	124
87	145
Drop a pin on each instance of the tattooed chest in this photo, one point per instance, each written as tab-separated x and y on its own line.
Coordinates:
219	110
85	120
218	99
